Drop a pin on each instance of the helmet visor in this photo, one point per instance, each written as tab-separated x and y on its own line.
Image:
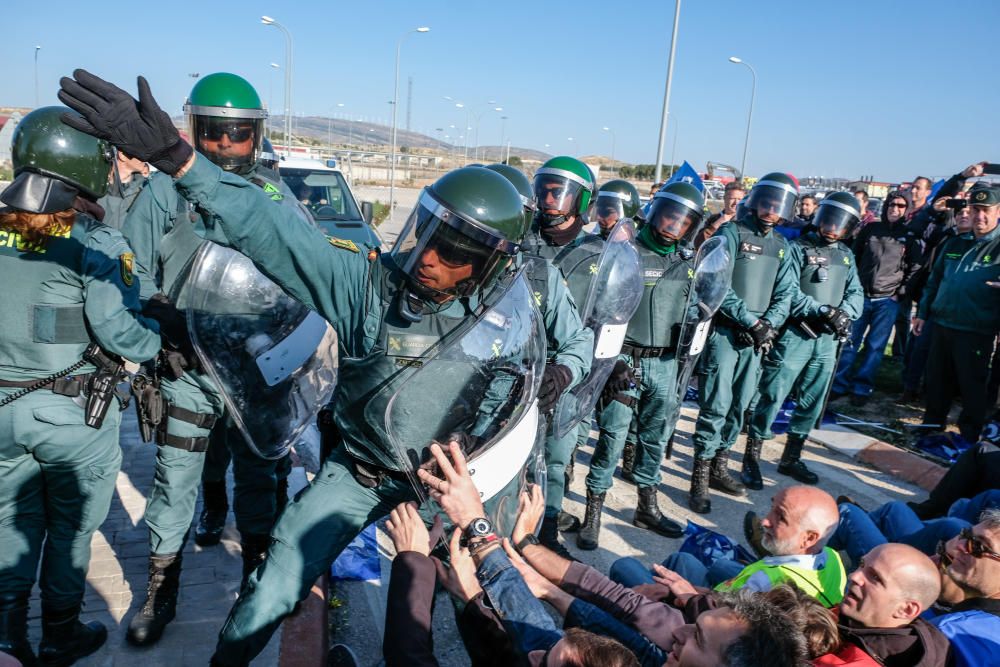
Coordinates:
771	197
445	254
670	218
231	143
607	209
556	194
835	219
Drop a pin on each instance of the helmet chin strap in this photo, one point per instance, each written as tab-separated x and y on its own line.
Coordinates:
549	220
411	306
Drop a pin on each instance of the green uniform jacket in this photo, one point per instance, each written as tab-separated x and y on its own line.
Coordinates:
340	283
852	298
957	295
785	283
77	288
116	208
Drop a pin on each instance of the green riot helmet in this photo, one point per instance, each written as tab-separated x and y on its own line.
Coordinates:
563	187
675	213
615	200
521	184
53	163
838	213
226	121
773	196
461	236
268	158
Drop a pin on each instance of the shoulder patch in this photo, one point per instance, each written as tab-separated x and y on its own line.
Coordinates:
343	244
127	263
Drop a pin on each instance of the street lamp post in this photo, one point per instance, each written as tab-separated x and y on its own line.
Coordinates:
673	151
503	134
267	20
395	103
608	129
666	94
479	118
37	49
753	95
270	94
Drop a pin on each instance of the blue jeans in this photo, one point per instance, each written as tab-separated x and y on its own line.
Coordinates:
527	622
859	532
918	349
629	571
877	318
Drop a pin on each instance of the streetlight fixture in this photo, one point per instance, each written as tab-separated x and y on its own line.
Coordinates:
608	129
267	20
37	49
395	103
666	94
753	95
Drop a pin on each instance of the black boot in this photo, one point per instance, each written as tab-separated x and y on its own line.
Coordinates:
590	532
14	628
214	509
567	523
719	477
750	475
649	516
753	531
628	462
254	552
548	536
699	500
65	639
791	463
160	607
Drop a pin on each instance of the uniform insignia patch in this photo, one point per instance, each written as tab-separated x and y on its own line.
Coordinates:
746	246
847	261
273	192
127	265
781	253
343	244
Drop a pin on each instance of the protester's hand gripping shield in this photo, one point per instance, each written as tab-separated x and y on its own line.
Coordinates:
712	274
480	389
273	360
612	298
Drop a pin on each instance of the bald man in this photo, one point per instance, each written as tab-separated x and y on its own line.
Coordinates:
880	615
801	520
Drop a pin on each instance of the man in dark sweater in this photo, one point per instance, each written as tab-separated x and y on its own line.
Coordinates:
887	254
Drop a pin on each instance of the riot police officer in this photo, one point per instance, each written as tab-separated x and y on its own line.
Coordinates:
615	200
71	301
226	122
746	326
644	381
563	187
453	256
127	180
829	299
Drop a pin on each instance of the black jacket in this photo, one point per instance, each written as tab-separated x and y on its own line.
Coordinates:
919	644
887	255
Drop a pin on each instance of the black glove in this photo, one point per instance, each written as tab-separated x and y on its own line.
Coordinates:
835	321
554	382
621	379
763	335
142	129
178	353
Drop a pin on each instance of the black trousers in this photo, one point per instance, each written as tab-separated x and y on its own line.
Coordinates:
958	366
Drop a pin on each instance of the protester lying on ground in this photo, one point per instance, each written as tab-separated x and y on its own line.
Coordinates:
860	531
795	532
970	592
530	627
644	623
880	620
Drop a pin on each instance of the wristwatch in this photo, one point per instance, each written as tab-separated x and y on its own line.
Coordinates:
477	529
530	538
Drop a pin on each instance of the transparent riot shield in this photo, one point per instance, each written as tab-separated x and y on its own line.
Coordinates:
480	389
712	275
273	359
614	294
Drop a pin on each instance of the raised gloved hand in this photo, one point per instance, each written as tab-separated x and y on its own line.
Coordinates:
835	321
763	335
178	352
554	382
140	128
621	379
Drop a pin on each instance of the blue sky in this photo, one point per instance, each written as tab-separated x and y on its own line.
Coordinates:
890	88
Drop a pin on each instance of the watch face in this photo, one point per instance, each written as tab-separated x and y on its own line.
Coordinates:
480	527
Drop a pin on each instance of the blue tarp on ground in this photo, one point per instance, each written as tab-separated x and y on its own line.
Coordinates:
359	561
709	546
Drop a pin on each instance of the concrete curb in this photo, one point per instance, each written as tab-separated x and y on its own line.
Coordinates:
881	455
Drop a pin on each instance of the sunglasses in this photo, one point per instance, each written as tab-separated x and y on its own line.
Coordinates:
556	192
975	547
897	205
236	135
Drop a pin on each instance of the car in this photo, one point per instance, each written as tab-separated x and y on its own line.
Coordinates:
324	192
